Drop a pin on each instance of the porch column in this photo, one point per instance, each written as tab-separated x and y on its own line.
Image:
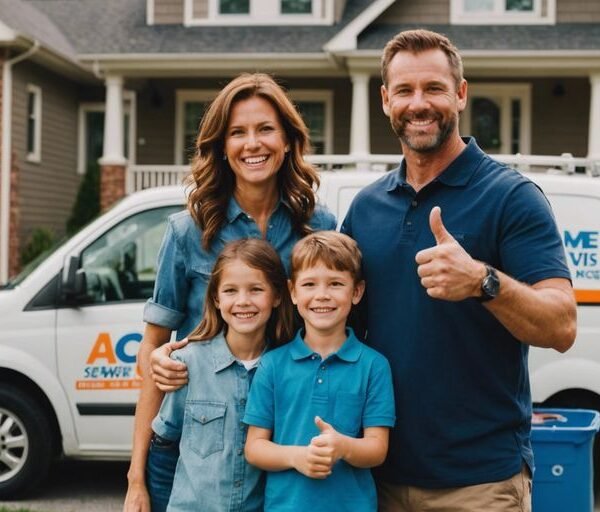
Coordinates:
360	143
113	162
594	131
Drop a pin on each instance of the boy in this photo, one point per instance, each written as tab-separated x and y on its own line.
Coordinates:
320	407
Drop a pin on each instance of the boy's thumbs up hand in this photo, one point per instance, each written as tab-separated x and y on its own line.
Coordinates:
329	443
323	426
446	270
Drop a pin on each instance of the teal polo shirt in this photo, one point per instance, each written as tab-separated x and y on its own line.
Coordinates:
350	389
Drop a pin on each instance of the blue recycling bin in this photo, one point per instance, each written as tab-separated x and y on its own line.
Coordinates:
562	441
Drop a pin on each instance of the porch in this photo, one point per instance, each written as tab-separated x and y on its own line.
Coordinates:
140	177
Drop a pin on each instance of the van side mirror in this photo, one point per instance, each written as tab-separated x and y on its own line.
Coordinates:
74	282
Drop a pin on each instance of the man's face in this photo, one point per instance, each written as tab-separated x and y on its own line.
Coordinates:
422	100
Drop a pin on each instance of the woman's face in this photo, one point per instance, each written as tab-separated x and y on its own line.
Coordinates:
255	143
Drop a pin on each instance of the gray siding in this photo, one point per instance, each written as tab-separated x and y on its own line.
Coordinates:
48	188
200	9
423	11
168	12
383	139
578	11
560	123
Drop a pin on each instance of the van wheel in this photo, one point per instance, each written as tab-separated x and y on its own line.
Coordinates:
25	442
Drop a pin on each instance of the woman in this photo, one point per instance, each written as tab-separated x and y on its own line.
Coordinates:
248	179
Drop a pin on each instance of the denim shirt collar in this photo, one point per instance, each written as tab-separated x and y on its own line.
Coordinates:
222	356
457	174
350	351
234	210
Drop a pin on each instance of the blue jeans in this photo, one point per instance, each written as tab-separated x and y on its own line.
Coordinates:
160	471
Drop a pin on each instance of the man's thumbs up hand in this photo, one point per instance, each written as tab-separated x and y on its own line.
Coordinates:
438	229
446	270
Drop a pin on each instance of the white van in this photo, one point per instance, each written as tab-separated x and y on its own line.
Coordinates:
70	327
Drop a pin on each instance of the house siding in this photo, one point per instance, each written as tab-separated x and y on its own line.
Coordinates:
48	188
577	11
423	11
200	9
168	12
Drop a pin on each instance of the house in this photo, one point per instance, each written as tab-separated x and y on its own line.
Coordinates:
126	81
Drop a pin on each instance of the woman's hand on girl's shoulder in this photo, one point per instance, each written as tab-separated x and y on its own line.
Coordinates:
168	375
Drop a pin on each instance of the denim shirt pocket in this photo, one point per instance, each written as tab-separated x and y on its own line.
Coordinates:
202	271
347	413
204	427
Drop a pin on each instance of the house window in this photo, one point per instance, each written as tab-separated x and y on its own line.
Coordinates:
234	7
493	12
296	6
190	107
91	132
258	12
34	123
499	117
316	108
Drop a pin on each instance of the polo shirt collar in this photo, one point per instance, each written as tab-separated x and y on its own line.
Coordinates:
234	210
350	351
457	174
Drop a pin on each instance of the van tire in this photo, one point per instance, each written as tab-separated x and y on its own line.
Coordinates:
25	439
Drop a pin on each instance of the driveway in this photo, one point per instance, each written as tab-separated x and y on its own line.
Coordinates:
77	486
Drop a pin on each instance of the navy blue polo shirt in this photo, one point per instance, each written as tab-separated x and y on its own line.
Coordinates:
350	389
461	379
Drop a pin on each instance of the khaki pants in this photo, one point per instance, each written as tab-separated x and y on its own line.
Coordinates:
511	495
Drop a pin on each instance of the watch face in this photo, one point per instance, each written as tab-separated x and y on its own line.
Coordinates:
490	284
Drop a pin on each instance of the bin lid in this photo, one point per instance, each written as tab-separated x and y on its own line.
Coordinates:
576	425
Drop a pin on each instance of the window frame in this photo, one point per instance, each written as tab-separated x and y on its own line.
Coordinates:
34	156
267	13
129	107
183	96
321	95
500	16
507	92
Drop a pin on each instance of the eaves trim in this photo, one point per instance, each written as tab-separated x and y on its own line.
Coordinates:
347	38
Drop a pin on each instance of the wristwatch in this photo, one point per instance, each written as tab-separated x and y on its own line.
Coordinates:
490	286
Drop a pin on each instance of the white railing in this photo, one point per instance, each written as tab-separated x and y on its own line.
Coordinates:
140	177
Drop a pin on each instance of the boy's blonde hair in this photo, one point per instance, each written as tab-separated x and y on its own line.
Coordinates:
335	250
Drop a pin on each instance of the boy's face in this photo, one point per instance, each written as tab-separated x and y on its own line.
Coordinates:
324	298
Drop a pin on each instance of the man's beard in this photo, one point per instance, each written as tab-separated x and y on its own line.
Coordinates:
424	144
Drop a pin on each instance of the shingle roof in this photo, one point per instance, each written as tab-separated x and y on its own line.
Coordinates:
563	36
25	19
119	26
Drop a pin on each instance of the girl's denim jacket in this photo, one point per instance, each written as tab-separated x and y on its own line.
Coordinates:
212	474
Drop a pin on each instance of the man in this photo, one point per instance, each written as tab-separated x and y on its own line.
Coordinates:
455	296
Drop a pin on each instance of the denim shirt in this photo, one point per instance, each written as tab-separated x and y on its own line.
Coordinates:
184	267
212	474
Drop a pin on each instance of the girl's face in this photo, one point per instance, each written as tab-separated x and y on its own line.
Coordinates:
255	143
245	299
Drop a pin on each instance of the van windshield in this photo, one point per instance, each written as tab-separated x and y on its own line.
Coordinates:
32	265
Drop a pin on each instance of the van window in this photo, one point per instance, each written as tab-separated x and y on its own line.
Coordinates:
121	264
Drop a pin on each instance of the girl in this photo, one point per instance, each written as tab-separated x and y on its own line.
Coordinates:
246	303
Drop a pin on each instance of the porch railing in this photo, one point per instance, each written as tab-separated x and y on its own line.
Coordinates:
140	177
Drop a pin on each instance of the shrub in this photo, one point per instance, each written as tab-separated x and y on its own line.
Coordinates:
39	241
87	202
